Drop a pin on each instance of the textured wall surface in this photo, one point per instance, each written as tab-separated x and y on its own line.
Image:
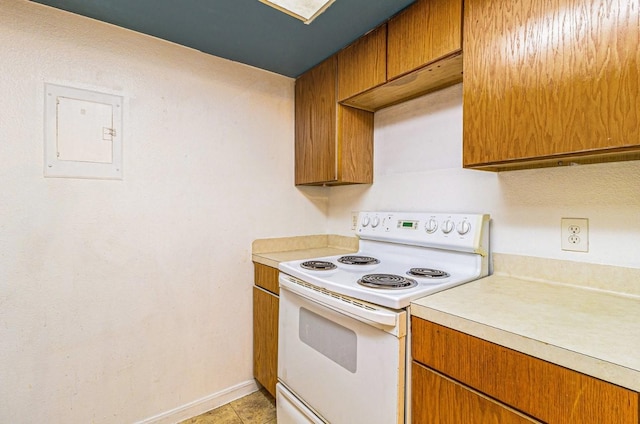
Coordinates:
418	159
121	300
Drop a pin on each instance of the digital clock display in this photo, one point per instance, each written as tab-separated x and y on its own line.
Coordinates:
409	225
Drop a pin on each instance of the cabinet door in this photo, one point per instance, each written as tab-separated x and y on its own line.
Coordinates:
265	338
355	144
543	390
334	143
545	81
439	400
424	32
315	114
363	65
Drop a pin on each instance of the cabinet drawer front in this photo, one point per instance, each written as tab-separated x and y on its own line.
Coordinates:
266	277
437	399
538	388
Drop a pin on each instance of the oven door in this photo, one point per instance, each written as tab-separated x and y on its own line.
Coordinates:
346	369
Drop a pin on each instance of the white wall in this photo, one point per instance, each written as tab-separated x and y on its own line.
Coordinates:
120	300
418	166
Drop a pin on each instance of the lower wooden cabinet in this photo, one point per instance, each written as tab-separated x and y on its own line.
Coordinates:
438	400
265	327
539	389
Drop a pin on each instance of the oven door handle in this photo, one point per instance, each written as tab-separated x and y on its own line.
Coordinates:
357	309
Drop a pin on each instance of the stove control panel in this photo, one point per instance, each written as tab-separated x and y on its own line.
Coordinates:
463	232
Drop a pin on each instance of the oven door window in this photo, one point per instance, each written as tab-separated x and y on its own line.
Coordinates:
332	340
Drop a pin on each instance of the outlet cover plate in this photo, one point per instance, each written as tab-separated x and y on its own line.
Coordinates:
354	220
575	234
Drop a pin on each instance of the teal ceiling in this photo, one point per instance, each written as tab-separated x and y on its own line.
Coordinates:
245	31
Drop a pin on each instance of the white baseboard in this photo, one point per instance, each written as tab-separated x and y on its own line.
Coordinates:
203	405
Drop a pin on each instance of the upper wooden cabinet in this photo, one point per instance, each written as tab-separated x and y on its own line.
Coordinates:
550	83
424	32
363	65
333	143
423	54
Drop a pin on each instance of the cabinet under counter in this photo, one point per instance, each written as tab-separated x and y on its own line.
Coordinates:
482	370
567	329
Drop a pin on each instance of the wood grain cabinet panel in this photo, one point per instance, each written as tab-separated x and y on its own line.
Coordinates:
439	400
550	82
333	143
363	64
426	31
542	390
265	326
315	124
266	277
423	54
265	338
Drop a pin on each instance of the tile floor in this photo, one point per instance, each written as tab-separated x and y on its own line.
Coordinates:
257	408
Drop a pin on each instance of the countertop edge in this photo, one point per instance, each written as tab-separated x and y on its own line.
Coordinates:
594	367
264	261
271	252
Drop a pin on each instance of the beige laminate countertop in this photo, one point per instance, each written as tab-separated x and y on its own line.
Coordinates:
272	251
584	317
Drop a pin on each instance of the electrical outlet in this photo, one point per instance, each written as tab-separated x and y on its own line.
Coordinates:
575	234
354	220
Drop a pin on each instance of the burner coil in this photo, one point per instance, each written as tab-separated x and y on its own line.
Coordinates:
358	260
427	273
387	281
318	265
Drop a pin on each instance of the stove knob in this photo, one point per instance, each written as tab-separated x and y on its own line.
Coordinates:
376	222
432	226
447	226
463	227
365	221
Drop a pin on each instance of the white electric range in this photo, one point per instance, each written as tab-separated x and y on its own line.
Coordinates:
343	319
